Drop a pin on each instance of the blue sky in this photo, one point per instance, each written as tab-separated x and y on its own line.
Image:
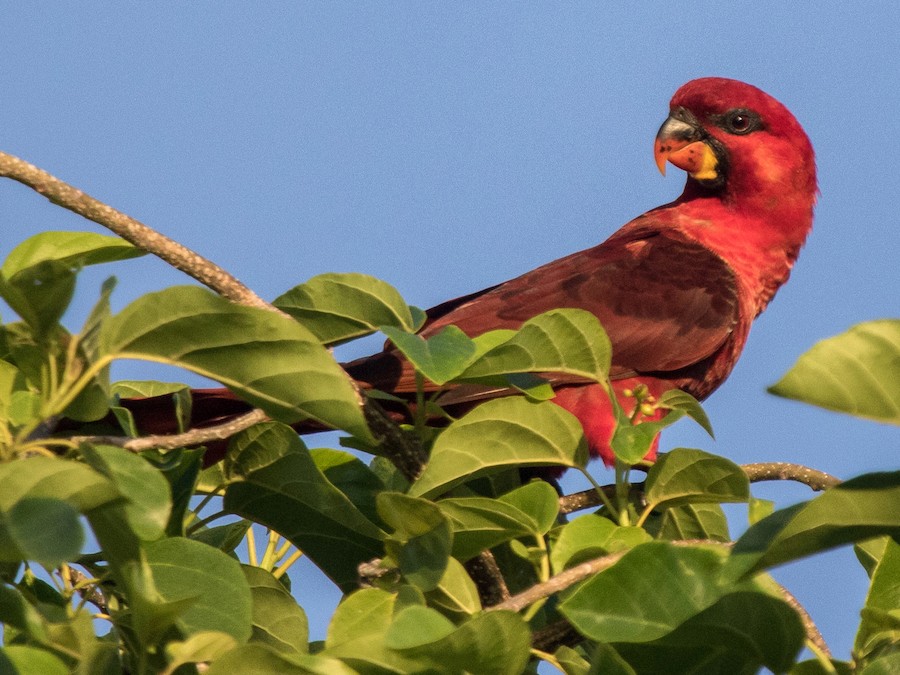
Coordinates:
445	147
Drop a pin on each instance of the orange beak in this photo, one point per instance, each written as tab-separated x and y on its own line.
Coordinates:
682	144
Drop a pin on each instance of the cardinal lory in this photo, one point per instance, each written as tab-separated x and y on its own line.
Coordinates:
676	288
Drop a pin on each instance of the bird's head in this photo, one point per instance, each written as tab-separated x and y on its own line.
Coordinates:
738	143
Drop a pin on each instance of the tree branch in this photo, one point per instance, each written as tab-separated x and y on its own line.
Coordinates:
816	480
189	438
403	452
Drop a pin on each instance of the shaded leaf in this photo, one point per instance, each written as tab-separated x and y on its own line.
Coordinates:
421	541
278	620
539	500
648	593
340	307
480	523
275	482
499	434
856	372
42	529
455	594
739	635
146	490
690	521
675	399
879	630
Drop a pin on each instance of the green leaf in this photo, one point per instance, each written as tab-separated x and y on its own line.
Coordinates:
275	482
149	500
456	594
690	521
92	403
352	477
40	294
199	648
500	434
539	500
145	388
417	626
340	307
364	612
858	509
184	569
491	643
631	442
257	659
226	538
879	630
759	509
687	476
278	620
739	635
570	341
266	359
439	358
591	536
870	552
42	529
675	399
73	482
480	523
854	373
25	660
73	249
421	541
648	593
16	612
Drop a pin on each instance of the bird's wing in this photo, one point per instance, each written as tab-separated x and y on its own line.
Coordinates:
667	302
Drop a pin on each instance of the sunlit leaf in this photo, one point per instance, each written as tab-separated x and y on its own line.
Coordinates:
499	434
266	359
858	509
185	569
275	482
686	475
440	357
74	249
339	307
568	341
856	372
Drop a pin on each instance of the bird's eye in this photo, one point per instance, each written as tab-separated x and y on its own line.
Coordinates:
741	122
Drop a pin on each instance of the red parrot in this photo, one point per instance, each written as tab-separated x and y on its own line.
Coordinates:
676	289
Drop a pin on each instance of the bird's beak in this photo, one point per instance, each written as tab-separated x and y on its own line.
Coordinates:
682	142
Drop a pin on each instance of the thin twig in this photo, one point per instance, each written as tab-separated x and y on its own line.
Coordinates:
189	438
588	499
816	480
